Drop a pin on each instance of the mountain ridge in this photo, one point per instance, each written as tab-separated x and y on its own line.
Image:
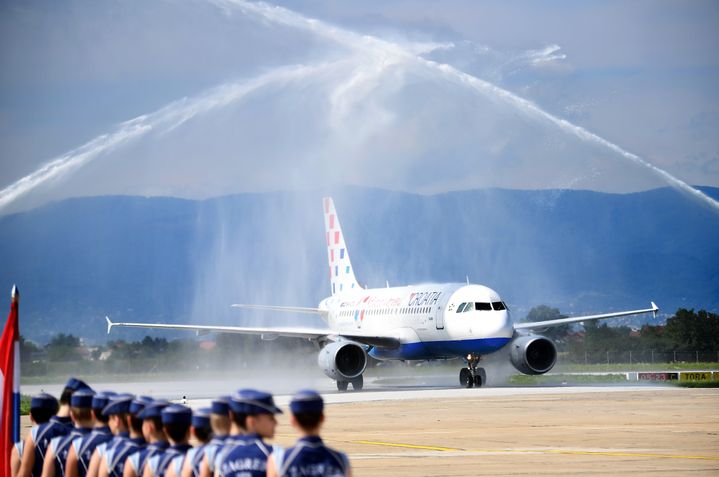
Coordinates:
180	260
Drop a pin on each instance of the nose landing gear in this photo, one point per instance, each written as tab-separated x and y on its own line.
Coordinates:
472	376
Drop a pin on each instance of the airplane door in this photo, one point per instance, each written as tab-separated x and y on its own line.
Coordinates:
438	311
439	315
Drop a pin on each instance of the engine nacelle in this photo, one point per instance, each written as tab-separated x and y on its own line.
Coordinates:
342	360
533	354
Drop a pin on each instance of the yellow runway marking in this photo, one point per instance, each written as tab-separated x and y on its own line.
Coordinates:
537	451
407	446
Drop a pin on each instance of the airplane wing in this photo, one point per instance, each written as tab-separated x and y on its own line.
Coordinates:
380	341
576	319
284	309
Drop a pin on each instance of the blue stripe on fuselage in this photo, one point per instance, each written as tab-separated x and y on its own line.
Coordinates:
440	349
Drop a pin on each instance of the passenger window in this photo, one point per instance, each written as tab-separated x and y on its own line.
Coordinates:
498	305
481	306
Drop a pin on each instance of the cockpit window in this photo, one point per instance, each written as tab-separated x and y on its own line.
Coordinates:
460	308
498	305
469	307
481	306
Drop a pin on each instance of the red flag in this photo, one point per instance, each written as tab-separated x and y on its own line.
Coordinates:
10	380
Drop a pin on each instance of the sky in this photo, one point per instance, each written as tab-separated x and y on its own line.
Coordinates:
205	98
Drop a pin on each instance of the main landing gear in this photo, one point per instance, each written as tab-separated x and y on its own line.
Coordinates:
472	376
357	384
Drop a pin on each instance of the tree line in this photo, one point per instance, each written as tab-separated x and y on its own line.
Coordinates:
66	353
687	335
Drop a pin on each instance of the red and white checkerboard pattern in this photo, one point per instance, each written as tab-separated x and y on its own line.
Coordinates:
342	277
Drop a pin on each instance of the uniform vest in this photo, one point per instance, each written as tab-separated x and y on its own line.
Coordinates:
61	447
116	456
246	457
195	456
213	450
161	460
85	445
64	420
140	458
103	447
41	436
309	457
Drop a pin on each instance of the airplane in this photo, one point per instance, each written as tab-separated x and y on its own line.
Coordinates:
415	322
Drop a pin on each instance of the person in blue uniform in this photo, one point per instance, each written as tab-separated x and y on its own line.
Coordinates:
201	431
57	451
154	435
42	407
63	414
223	426
176	422
309	456
114	410
35	447
82	448
112	463
247	456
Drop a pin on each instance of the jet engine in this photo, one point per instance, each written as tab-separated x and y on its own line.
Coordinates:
533	354
343	360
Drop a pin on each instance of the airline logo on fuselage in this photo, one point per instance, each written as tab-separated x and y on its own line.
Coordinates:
424	298
370	302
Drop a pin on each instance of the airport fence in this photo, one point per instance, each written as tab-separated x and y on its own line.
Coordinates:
647	356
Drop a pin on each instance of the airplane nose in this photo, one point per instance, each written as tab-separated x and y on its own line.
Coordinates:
505	323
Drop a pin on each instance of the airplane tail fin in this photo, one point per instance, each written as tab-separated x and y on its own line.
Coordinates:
342	276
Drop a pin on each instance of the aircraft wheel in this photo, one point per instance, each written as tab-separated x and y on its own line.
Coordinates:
358	383
342	385
480	378
465	378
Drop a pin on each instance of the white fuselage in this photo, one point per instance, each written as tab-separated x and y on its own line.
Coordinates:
426	318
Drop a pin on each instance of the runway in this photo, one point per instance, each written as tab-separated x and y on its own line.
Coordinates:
392	430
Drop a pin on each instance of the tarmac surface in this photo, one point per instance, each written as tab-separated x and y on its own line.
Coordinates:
567	430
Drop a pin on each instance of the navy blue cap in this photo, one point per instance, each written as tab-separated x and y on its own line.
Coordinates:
221	406
153	409
75	384
251	401
44	401
119	404
82	398
100	399
236	402
138	404
177	414
201	418
306	400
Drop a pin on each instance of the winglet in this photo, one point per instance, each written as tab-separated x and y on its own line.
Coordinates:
655	309
14	294
110	324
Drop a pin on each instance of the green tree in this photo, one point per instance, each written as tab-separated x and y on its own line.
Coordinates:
27	349
545	313
63	348
691	331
